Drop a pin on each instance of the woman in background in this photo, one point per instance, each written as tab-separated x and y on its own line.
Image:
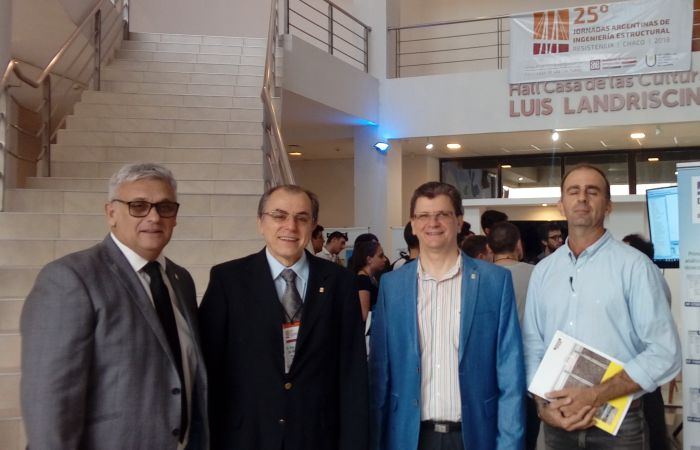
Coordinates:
368	261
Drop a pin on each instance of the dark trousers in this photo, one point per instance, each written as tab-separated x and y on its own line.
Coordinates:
532	424
632	435
431	440
654	413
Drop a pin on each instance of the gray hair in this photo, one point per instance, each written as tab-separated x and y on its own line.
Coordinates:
140	171
294	189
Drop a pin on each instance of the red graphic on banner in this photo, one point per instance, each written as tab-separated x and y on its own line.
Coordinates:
552	30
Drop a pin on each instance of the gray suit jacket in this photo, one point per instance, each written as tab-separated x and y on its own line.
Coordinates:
97	371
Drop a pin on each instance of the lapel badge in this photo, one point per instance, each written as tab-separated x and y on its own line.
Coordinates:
176	277
321	290
473	277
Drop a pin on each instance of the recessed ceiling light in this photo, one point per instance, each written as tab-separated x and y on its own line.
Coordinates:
454	146
545	204
555	136
603	144
653	159
294	153
638	135
429	146
506	166
520	178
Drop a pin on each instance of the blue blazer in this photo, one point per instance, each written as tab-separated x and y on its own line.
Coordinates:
491	369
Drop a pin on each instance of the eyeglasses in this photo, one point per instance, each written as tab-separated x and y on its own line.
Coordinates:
141	208
279	216
441	216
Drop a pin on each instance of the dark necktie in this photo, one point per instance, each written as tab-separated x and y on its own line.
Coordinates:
164	308
291	301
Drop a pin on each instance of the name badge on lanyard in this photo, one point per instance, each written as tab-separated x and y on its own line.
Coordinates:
290	331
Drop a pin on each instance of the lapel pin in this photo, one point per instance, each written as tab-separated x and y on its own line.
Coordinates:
176	277
321	290
473	276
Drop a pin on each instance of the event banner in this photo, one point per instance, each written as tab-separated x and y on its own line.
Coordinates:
629	37
689	227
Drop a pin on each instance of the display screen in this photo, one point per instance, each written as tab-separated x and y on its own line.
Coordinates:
662	210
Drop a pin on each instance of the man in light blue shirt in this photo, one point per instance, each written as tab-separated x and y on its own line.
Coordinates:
609	296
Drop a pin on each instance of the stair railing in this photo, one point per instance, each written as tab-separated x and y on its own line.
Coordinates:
81	71
277	170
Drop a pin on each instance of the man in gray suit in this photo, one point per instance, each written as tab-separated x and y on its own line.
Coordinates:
110	348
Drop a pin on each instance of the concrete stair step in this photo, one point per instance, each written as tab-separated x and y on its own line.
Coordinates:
252	186
10	309
114	111
165	155
20	225
9	389
211	58
12	431
129	87
196	39
185	67
161	125
38	252
207	101
9	351
71	201
156	139
144	76
17	281
182	171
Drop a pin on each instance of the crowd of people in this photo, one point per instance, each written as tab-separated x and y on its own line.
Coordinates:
117	355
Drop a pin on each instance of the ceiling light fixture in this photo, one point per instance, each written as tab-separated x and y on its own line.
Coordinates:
381	146
569	145
545	204
454	146
429	145
657	131
555	135
653	159
506	166
294	153
638	135
603	144
520	178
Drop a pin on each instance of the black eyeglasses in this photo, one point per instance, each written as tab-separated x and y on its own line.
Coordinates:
141	208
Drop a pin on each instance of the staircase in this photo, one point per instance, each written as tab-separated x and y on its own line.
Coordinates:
189	102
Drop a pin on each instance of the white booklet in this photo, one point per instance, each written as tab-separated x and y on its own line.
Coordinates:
571	363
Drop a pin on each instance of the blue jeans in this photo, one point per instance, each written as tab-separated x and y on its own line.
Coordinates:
632	435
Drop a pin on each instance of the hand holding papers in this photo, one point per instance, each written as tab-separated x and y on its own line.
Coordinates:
573	366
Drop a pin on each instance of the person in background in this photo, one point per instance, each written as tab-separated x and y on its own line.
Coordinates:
489	218
477	246
367	262
334	245
504	241
609	296
110	343
464	232
317	239
411	244
551	237
653	403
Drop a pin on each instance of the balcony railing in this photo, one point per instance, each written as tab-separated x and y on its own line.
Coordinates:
331	28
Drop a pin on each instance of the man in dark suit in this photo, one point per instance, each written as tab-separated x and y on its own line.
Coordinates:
110	351
283	341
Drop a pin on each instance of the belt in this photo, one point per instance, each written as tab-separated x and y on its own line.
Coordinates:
440	427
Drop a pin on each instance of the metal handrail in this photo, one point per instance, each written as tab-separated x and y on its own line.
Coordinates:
99	34
439	44
278	167
331	35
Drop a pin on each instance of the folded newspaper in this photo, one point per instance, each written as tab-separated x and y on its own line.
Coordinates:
571	363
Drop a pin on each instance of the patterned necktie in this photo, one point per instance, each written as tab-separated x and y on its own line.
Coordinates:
164	309
291	301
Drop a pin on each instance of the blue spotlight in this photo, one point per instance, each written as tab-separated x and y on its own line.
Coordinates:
381	147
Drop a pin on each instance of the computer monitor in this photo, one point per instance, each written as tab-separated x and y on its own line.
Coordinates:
662	211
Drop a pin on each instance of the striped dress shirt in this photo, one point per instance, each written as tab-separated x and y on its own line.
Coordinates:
439	308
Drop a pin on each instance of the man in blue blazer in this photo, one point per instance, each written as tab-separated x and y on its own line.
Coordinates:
446	360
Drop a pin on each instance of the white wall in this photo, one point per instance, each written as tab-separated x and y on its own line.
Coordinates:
319	76
332	181
480	102
417	169
208	17
5	33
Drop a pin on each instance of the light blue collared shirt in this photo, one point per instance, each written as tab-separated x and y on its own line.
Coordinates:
300	268
612	298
